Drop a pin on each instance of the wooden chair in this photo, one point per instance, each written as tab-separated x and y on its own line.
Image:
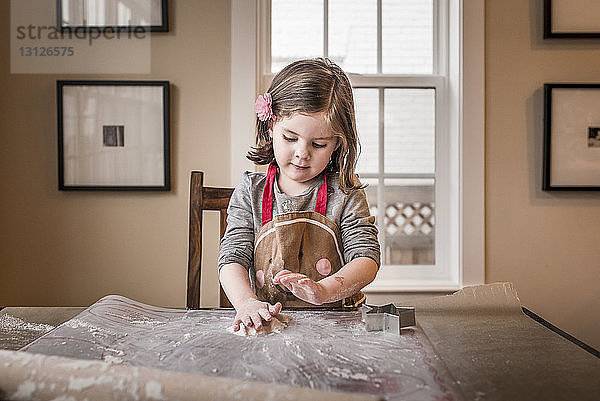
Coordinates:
203	198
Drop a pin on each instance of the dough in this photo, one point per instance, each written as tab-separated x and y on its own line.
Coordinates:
277	323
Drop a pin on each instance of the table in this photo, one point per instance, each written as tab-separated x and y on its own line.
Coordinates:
476	345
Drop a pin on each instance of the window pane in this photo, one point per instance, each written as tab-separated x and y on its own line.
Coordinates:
296	31
371	191
407	235
407	32
409	131
409	222
353	35
366	103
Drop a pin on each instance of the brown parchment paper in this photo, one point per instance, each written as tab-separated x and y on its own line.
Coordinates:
495	352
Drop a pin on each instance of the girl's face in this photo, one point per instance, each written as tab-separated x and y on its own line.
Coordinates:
303	144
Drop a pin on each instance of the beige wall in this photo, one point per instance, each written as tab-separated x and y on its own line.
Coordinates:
546	243
70	248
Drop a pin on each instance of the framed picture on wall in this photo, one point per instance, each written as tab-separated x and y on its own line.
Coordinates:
127	15
571	137
113	135
571	19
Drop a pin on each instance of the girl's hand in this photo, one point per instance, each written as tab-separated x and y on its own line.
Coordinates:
252	312
302	286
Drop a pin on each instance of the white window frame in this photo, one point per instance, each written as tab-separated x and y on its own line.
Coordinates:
459	84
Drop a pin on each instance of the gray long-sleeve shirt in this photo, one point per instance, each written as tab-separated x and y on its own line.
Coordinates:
349	212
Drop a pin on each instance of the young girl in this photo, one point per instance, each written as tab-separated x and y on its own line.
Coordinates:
301	234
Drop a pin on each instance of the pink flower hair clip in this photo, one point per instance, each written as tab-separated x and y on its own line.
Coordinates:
264	107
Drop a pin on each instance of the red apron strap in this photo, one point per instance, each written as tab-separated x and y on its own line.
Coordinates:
321	205
267	201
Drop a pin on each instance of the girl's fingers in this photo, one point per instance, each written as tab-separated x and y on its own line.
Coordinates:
278	276
247	321
275	309
265	314
257	321
254	314
284	274
292	278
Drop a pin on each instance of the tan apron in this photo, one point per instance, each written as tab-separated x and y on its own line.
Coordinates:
296	242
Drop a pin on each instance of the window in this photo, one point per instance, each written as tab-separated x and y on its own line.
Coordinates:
404	62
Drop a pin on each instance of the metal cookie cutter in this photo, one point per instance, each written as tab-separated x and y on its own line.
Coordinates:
387	318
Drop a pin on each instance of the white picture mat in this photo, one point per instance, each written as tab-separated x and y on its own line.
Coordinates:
573	162
87	162
111	12
575	16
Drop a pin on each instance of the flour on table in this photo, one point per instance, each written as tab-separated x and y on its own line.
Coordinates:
112	359
277	323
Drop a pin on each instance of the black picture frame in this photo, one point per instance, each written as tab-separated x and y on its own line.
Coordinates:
573	30
63	26
571	159
113	135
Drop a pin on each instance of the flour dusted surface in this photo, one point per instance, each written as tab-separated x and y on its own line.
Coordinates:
324	350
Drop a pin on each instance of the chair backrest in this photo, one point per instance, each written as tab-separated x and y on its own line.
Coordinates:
203	198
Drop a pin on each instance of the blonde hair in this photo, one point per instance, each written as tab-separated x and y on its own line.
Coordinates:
314	86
